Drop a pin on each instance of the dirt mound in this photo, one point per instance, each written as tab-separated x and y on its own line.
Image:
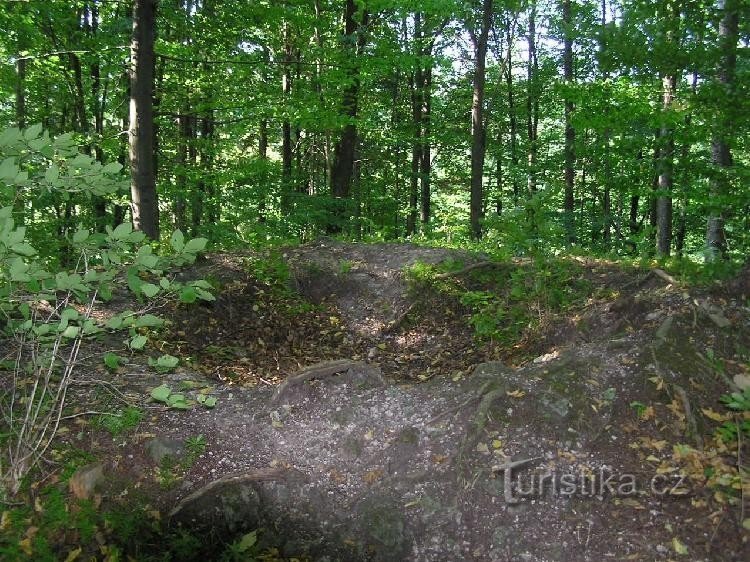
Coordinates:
365	280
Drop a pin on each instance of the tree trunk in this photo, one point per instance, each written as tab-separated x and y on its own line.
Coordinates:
21	93
512	113
532	104
343	166
479	39
286	127
666	171
721	153
180	207
417	92
570	134
145	206
426	166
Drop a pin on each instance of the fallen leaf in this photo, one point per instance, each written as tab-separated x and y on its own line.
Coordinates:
25	545
515	393
679	547
715	416
73	554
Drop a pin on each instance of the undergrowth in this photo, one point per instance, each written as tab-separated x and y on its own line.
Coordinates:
506	300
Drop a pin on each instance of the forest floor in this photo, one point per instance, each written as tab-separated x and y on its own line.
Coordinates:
359	416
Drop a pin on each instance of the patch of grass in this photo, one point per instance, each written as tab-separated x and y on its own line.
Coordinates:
126	420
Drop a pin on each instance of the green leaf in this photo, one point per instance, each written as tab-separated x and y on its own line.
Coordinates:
195	245
8	169
23	249
138	342
122	231
247	542
71	332
167	361
161	393
33	132
164	363
177	241
112	168
178	401
69	314
114	323
111	360
81	236
148	321
52	174
188	295
18	270
149	289
207	401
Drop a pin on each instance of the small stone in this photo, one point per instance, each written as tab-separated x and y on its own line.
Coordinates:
161	447
85	480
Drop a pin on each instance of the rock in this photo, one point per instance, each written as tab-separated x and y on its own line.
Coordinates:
161	447
491	368
85	480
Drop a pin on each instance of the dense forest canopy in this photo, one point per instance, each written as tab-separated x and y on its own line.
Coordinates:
613	127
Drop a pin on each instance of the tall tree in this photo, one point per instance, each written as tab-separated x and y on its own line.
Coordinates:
670	20
570	133
479	36
532	101
721	153
144	201
354	37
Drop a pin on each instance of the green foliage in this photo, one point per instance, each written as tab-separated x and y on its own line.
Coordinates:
46	311
122	422
740	427
175	400
524	298
164	363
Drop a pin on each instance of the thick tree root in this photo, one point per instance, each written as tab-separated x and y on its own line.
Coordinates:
316	371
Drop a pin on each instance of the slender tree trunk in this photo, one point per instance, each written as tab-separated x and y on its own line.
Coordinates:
417	92
666	173
721	153
145	206
21	93
570	133
426	166
513	125
263	156
19	207
286	127
531	101
180	207
479	39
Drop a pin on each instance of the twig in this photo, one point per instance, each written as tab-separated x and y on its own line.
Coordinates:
90	413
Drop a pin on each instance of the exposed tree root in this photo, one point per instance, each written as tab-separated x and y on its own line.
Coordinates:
316	371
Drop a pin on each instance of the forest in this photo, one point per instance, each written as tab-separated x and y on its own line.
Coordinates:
300	280
610	127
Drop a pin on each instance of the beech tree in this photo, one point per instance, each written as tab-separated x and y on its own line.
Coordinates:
145	204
